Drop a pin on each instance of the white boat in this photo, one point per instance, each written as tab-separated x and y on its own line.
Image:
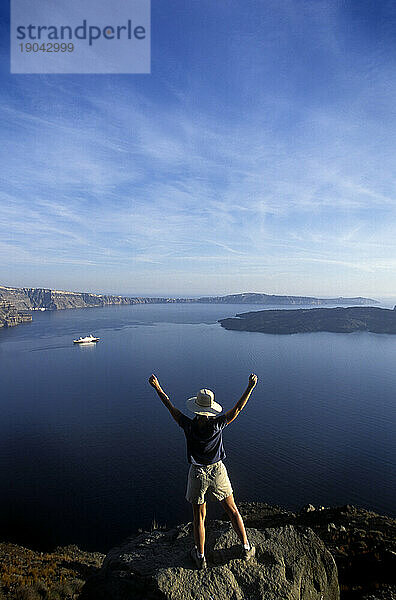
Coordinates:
86	340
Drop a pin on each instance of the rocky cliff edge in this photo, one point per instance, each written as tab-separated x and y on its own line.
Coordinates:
291	563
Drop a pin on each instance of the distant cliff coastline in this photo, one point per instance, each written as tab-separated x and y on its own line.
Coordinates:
11	316
335	320
41	298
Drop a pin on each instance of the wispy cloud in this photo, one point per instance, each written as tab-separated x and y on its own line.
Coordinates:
106	181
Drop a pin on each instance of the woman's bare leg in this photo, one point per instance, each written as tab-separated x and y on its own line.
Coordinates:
235	518
199	513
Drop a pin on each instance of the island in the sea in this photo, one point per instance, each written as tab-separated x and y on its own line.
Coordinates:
334	320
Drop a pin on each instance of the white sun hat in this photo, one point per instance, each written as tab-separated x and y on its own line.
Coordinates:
204	403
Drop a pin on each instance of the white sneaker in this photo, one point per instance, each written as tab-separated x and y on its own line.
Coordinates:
200	562
249	554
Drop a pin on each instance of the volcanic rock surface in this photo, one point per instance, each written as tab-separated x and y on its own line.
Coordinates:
291	563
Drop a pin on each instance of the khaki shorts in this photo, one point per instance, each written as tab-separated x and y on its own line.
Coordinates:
212	479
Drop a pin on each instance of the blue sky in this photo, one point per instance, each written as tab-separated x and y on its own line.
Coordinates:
259	155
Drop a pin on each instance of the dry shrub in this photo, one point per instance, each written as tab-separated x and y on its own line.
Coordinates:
26	593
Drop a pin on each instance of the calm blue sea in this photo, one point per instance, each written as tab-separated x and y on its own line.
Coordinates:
88	454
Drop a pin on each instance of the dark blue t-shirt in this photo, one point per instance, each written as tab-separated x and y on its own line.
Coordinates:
204	440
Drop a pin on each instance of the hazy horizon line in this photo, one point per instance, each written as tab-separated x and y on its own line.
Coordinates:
200	295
